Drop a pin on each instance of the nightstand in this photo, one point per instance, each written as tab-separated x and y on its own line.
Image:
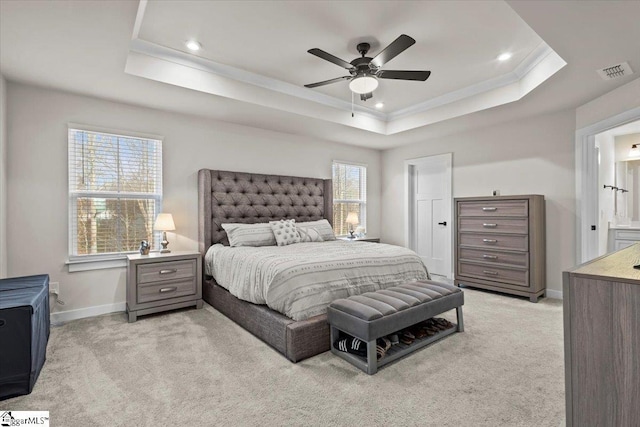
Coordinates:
362	239
159	282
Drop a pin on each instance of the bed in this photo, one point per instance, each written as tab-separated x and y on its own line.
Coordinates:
233	197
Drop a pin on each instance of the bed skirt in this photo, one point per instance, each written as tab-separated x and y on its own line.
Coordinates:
296	340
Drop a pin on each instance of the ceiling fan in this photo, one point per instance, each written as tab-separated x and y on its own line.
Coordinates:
365	71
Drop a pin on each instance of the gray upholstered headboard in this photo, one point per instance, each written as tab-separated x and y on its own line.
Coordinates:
225	197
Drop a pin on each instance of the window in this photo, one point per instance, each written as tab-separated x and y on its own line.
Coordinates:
349	195
115	193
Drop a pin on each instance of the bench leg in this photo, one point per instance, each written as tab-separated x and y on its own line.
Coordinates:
460	319
334	336
372	357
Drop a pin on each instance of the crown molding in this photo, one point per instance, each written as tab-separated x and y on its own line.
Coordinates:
526	66
218	79
202	64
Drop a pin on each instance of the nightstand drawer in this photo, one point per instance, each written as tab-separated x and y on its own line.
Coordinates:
166	290
160	271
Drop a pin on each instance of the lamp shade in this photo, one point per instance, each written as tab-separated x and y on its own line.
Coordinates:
352	218
164	222
635	151
363	84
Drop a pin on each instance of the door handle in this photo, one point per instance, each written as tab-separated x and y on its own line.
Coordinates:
443	223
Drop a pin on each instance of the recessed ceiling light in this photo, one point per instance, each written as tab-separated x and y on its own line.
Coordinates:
504	56
380	105
193	45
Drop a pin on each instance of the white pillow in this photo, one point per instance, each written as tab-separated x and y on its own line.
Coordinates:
285	231
309	234
249	234
322	227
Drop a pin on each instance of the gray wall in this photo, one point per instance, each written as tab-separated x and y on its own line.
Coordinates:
531	156
37	177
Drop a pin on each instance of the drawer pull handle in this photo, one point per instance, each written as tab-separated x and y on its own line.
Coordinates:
490	256
169	289
490	240
173	270
490	273
485	225
489	209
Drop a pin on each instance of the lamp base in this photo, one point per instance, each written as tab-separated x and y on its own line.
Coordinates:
164	243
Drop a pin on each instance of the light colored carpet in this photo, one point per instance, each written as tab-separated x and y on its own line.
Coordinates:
196	367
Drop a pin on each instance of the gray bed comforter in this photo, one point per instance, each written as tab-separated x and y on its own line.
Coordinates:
300	280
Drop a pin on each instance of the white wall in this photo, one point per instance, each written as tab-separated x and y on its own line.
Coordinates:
37	177
3	177
530	156
606	176
619	100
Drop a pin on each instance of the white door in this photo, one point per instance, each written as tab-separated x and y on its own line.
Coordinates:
429	209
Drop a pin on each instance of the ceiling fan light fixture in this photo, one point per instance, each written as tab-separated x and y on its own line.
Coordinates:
635	151
193	45
363	84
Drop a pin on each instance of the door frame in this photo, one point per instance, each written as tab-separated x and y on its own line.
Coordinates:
587	182
409	220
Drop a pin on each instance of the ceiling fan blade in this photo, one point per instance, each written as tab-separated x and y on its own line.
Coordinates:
328	57
327	82
396	47
404	75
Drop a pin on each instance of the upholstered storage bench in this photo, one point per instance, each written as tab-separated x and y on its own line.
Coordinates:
373	315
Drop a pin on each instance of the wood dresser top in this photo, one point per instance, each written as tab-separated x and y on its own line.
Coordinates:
617	266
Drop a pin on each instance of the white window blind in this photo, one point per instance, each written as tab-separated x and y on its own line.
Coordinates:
115	192
349	195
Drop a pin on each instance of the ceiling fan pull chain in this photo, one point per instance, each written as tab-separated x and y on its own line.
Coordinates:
352	115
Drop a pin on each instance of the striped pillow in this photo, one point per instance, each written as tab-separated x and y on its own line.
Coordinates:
250	234
322	227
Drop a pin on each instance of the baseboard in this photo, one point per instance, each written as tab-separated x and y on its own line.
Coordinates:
554	294
80	313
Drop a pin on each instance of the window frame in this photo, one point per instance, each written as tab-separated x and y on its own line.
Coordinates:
363	190
77	262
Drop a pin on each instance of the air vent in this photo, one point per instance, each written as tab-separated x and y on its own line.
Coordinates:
615	71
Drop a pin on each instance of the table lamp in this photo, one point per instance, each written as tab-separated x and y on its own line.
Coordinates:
352	219
164	223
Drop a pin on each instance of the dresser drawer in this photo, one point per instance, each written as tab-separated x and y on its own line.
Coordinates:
160	271
495	225
519	259
495	241
494	273
160	291
493	208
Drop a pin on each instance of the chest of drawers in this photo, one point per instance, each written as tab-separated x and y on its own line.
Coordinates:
160	281
500	244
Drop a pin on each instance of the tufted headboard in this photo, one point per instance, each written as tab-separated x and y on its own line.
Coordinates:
225	197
